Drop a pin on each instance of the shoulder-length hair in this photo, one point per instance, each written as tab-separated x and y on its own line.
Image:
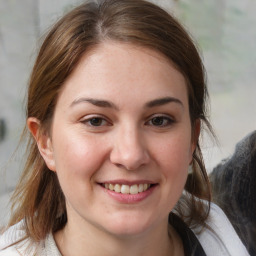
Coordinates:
38	198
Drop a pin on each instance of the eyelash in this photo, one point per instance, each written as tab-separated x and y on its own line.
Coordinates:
163	121
89	121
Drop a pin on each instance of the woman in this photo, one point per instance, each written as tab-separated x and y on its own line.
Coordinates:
115	105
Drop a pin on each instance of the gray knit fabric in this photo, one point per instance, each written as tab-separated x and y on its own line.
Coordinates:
234	190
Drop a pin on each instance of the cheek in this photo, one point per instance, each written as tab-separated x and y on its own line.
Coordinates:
77	156
175	153
77	161
173	158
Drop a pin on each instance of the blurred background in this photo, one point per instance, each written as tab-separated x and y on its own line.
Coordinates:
225	32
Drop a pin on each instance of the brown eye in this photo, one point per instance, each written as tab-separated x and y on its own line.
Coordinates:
157	121
96	121
160	121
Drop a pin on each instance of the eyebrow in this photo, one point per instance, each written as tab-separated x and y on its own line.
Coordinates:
109	104
95	102
163	101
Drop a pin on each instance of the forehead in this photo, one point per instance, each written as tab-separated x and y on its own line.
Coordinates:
115	69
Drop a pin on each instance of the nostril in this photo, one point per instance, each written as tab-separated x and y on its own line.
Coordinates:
129	151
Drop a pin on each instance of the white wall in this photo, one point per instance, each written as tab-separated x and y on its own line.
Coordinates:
18	34
225	30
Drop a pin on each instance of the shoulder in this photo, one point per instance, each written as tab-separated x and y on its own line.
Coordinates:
10	245
10	252
11	235
13	241
220	237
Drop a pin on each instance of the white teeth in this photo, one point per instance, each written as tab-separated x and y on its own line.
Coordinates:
111	187
117	188
134	189
126	189
141	188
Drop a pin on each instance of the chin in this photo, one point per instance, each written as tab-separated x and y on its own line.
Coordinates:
128	226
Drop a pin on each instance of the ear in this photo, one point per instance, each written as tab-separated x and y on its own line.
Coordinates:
43	141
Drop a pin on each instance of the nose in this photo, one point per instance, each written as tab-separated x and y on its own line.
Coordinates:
129	150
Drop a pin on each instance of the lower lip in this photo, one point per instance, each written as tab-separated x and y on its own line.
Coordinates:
130	198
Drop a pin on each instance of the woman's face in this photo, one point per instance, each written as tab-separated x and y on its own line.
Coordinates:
121	140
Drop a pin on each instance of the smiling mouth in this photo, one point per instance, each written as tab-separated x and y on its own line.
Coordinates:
126	189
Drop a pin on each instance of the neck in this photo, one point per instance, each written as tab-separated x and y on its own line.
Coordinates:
89	240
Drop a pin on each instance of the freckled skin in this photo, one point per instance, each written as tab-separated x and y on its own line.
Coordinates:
126	145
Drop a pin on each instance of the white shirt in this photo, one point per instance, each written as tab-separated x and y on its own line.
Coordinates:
222	240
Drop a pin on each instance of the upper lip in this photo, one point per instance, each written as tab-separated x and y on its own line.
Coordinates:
127	182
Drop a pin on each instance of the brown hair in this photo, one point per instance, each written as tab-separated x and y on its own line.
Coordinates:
38	198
